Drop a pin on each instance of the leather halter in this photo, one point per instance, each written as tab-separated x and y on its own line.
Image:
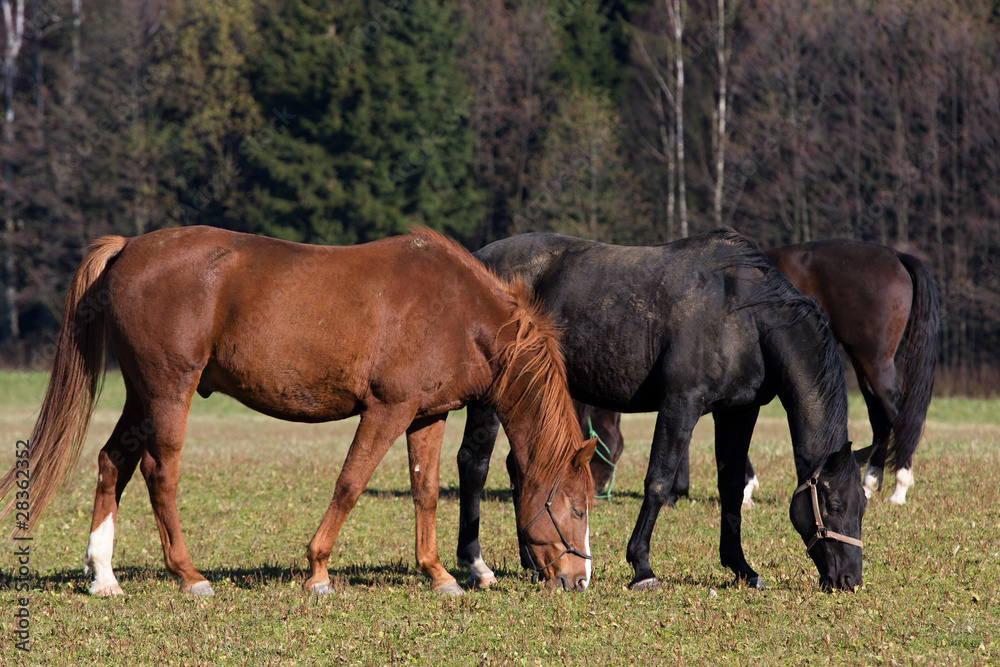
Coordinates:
568	550
822	532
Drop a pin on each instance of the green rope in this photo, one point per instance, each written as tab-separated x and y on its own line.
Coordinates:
597	452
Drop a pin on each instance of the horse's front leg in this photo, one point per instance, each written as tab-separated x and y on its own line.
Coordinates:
379	427
674	424
481	428
733	429
423	442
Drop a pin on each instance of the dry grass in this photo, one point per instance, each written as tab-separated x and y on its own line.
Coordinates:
253	490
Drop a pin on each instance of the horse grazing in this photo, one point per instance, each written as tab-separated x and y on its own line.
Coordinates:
872	295
705	324
398	331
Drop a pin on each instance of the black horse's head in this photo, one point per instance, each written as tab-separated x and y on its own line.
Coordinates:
827	510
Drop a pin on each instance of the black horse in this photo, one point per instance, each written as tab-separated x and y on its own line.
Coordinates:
705	324
873	295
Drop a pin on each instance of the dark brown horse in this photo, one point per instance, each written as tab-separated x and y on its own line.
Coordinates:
873	295
399	331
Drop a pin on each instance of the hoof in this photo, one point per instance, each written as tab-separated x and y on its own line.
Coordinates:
200	588
751	582
651	584
748	505
482	582
893	500
107	590
322	588
450	589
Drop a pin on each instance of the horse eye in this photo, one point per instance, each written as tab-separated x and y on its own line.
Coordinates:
577	513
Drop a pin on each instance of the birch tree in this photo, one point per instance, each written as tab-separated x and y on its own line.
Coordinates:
722	52
676	14
13	19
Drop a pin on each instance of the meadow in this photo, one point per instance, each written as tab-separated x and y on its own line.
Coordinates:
253	490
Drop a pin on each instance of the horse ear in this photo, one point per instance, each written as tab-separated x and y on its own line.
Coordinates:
585	453
862	455
840	458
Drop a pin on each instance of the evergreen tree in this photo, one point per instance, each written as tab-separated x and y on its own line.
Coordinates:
368	131
205	113
593	48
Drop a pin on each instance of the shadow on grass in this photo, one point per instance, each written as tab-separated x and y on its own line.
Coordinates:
362	575
501	495
445	493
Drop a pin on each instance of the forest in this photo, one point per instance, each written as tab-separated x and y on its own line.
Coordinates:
629	121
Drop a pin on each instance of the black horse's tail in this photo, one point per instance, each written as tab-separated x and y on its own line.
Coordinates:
917	364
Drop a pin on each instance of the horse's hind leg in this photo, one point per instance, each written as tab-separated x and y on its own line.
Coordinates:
605	425
880	388
160	468
481	428
423	443
116	462
380	426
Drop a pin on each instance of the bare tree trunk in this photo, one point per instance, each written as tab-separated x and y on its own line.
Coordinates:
13	17
522	160
667	143
665	151
856	114
800	224
74	58
722	54
676	11
592	203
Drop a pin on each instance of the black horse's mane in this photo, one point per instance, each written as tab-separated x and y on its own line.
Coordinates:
778	296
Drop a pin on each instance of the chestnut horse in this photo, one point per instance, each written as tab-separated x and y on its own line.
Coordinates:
873	295
704	324
399	331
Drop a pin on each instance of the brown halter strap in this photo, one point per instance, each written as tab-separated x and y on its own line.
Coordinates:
822	532
536	570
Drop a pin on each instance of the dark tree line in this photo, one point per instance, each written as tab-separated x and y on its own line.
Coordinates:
634	121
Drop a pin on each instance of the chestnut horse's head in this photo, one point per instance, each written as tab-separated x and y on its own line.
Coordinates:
553	523
549	463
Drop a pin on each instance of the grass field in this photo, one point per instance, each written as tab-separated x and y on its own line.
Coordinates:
253	490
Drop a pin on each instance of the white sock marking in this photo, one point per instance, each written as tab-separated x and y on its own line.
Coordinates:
904	480
479	569
873	480
748	490
100	546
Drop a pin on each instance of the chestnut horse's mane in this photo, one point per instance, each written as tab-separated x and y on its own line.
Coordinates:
530	365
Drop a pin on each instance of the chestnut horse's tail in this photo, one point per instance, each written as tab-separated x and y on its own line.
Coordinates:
917	364
77	376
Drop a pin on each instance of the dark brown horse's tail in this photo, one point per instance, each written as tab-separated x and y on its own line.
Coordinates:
77	376
917	365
